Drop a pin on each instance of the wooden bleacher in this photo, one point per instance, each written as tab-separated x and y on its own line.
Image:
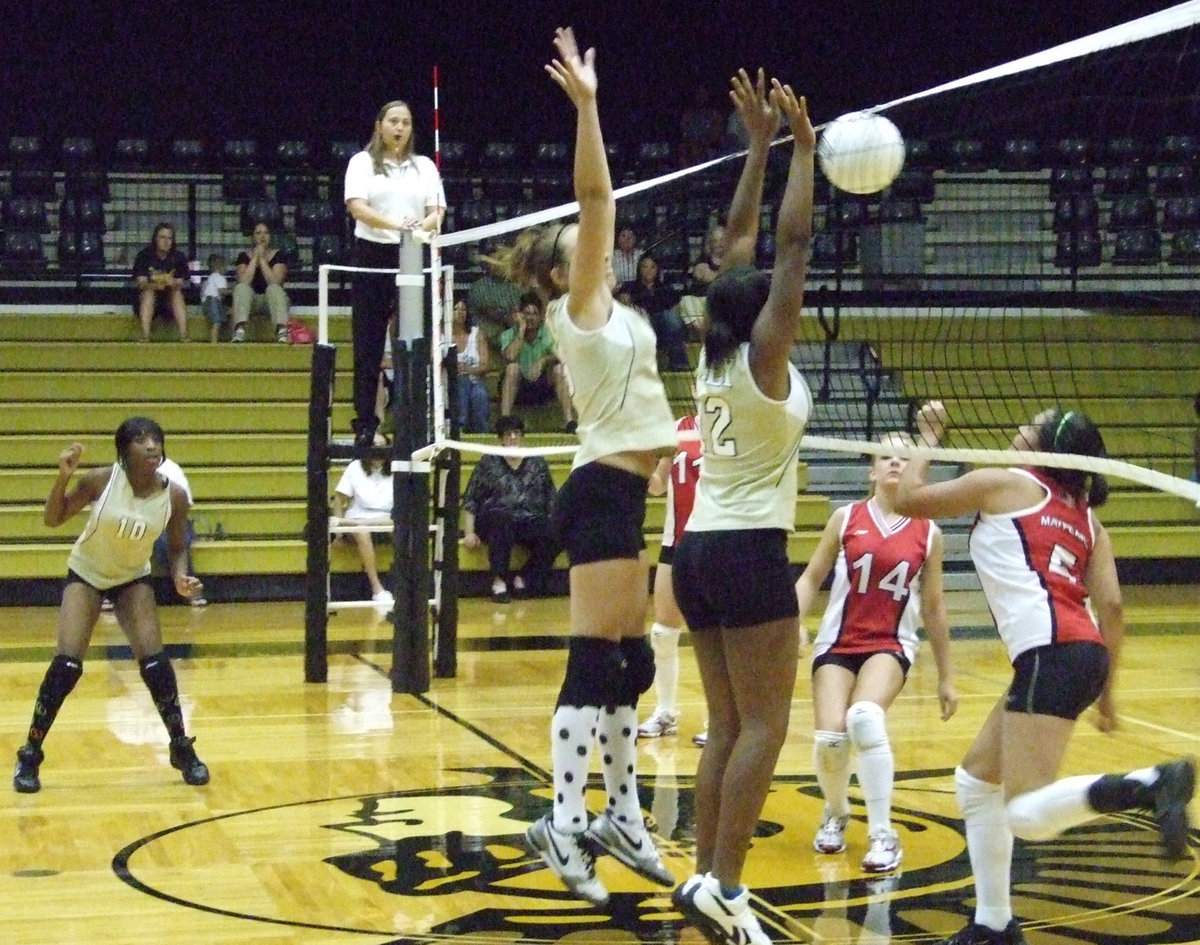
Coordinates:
236	417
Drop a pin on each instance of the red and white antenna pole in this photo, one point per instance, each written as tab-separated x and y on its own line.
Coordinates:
437	141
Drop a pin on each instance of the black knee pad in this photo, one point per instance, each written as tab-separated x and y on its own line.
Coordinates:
62	675
595	671
639	668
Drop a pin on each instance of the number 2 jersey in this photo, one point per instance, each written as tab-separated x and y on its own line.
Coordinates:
120	533
1031	564
681	483
875	602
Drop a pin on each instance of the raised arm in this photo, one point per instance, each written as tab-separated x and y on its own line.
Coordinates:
775	328
61	505
590	291
761	117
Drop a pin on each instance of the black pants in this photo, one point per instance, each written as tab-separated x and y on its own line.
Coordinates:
373	301
500	531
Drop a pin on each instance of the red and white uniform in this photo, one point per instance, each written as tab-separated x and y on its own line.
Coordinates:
681	485
1031	564
876	595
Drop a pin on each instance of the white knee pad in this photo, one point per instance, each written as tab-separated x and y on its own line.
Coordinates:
866	724
831	751
978	800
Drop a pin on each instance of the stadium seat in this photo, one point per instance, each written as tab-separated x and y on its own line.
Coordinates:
1132	212
295	185
86	182
454	154
552	154
894	210
328	248
317	218
1076	249
293	153
131	154
267	211
187	154
1074	152
240	184
1020	154
24	214
31	173
500	155
919	153
22	251
1070	180
80	250
78	153
1125	150
1181	213
79	214
239	152
340	153
1185	248
1180	149
1176	179
846	213
966	154
1076	212
1137	247
832	250
1126	179
653	156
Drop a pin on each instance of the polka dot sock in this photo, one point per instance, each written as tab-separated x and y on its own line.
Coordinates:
572	733
618	750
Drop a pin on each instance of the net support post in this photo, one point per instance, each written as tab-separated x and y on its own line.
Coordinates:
316	584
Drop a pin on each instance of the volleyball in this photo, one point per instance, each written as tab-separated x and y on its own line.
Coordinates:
861	153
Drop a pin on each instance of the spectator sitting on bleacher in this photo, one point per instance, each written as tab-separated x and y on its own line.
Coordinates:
532	372
626	255
160	272
492	300
661	303
474	405
364	497
692	306
213	294
508	502
260	274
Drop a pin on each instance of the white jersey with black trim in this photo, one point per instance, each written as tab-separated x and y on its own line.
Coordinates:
750	446
618	396
120	533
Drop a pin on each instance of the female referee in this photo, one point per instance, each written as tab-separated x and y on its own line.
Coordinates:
1046	563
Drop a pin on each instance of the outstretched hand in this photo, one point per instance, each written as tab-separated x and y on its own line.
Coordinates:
932	421
795	109
575	75
756	108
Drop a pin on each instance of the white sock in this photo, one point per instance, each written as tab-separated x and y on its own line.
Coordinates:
572	731
831	761
617	739
665	642
989	845
865	723
1046	812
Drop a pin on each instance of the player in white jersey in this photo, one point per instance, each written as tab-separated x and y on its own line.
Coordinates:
887	574
131	504
731	573
1046	564
624	426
